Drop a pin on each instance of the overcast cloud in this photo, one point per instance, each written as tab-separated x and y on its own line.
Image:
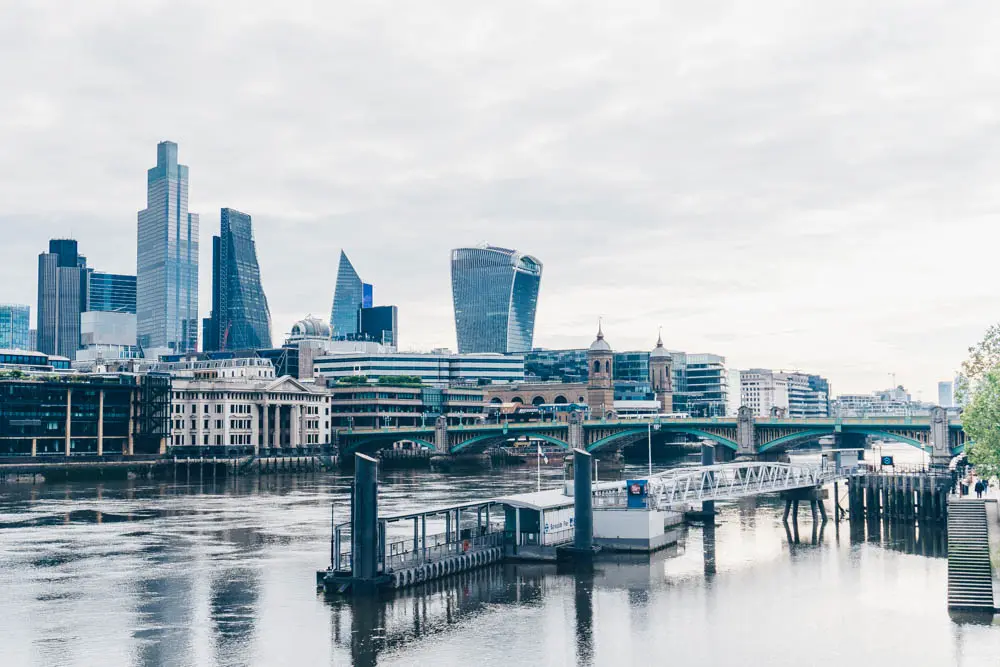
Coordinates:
791	184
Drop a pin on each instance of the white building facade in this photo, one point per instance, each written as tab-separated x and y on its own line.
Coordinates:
763	390
240	405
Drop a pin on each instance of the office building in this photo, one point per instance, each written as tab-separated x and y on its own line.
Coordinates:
75	414
167	259
241	406
110	292
632	366
734	397
701	384
808	395
367	295
348	296
946	390
62	296
495	295
107	336
33	339
434	369
379	324
387	405
240	316
556	365
15	326
765	392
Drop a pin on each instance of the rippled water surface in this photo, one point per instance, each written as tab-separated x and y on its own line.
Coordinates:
223	573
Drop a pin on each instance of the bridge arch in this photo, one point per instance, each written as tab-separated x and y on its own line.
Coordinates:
538	400
792	440
517	399
387	440
560	400
496	401
480	439
631	433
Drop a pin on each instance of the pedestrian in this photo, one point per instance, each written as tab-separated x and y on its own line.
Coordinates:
979	489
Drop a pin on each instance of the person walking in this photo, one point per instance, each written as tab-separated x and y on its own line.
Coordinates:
979	488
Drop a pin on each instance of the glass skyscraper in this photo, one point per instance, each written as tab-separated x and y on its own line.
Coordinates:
241	319
62	296
15	323
111	293
348	296
167	267
495	291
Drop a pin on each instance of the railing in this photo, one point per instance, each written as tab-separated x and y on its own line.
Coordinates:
402	554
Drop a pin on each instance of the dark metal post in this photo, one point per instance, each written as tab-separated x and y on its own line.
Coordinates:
583	501
364	519
707	459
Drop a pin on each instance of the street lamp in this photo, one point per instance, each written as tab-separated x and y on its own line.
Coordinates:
649	443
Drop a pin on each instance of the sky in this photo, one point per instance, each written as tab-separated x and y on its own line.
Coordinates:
793	185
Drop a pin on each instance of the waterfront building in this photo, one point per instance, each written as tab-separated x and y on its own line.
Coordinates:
556	365
110	292
808	395
240	317
700	384
734	397
886	403
632	366
390	405
107	336
764	391
348	297
71	414
495	295
240	405
946	391
62	296
379	324
434	369
167	259
31	360
367	295
32	339
15	322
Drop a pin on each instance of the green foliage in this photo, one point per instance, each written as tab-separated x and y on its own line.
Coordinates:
981	423
401	380
353	379
984	356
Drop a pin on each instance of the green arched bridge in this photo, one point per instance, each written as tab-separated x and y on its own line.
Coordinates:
745	435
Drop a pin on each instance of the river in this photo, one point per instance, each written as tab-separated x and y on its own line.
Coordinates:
223	573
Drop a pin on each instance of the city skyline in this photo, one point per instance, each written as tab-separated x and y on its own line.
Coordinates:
651	201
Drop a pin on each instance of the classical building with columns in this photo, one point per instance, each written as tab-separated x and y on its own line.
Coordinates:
239	404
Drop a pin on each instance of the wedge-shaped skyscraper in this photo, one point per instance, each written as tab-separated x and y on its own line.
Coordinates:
241	319
495	291
348	297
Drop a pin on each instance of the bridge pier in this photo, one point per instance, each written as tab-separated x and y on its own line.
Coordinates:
707	459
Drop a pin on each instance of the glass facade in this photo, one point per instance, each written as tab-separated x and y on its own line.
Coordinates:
495	293
62	296
379	324
111	293
167	264
367	295
14	326
240	317
701	384
348	296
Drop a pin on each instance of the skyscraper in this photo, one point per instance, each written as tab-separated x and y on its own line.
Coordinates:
379	323
241	319
62	296
111	293
495	291
946	394
348	296
15	321
167	267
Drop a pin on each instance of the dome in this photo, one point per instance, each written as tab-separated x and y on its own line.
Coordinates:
311	327
600	345
659	352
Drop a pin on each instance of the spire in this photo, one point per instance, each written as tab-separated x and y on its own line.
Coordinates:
659	338
600	333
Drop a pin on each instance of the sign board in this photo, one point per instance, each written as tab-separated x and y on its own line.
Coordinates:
886	460
636	493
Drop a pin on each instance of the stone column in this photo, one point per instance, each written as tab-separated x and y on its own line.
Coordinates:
131	426
198	421
441	435
100	422
575	431
255	428
34	446
69	416
226	416
276	434
294	430
266	439
940	439
745	439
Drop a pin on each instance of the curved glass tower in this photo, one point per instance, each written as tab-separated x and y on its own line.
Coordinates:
241	319
495	291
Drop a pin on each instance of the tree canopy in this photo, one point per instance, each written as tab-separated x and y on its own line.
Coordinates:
981	423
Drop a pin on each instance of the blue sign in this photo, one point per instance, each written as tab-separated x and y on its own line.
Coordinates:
887	461
636	493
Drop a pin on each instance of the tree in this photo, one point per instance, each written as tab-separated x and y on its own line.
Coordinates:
981	423
984	356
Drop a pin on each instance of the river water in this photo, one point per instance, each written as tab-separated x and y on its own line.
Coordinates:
223	573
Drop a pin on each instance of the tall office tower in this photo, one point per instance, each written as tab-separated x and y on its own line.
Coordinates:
241	319
111	293
62	296
15	325
348	296
379	324
367	295
167	267
495	291
946	394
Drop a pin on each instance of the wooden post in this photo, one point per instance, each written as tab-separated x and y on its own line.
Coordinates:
100	422
69	417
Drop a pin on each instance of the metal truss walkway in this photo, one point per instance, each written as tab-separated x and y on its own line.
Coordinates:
725	481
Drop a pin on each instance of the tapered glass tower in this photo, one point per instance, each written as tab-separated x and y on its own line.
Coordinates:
495	291
167	266
241	319
348	297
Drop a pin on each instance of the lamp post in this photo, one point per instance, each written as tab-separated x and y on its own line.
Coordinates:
649	442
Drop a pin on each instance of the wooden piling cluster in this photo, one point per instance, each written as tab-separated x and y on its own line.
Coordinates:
235	467
918	496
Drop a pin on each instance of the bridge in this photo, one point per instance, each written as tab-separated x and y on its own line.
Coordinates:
744	435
